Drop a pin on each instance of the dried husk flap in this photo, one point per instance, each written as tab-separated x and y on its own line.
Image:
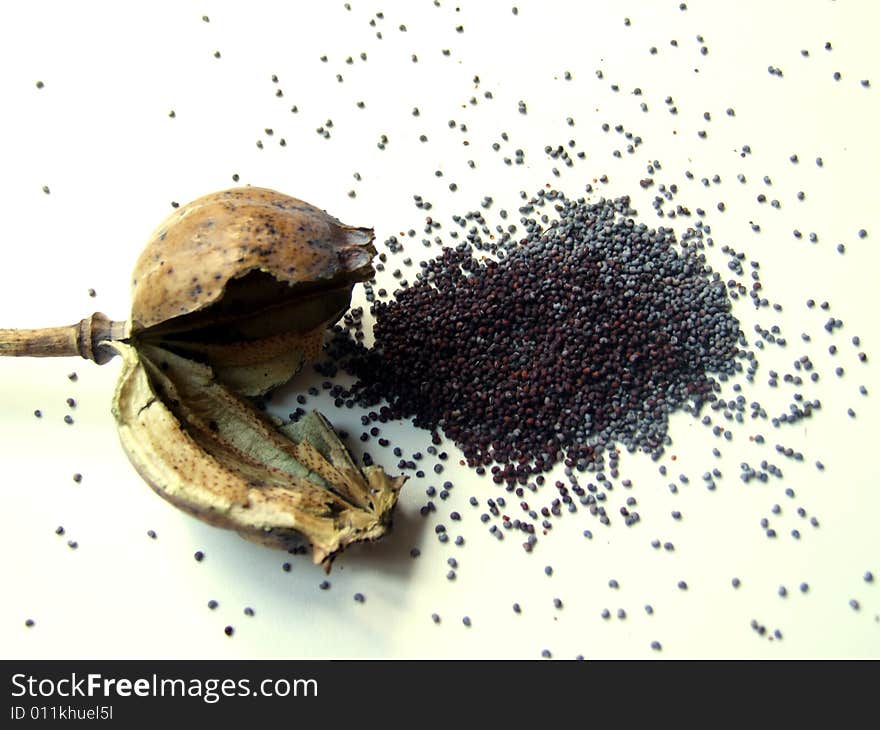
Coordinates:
207	450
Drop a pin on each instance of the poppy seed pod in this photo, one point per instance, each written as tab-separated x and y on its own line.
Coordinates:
231	297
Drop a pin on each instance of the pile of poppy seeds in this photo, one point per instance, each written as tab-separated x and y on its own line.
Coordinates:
585	334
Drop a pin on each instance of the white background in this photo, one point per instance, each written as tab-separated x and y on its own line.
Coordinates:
99	135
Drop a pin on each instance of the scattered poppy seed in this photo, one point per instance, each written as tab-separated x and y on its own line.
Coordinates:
199	556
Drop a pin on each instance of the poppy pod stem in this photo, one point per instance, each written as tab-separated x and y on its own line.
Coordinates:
86	338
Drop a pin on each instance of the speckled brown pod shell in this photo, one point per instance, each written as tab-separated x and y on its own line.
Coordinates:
202	246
